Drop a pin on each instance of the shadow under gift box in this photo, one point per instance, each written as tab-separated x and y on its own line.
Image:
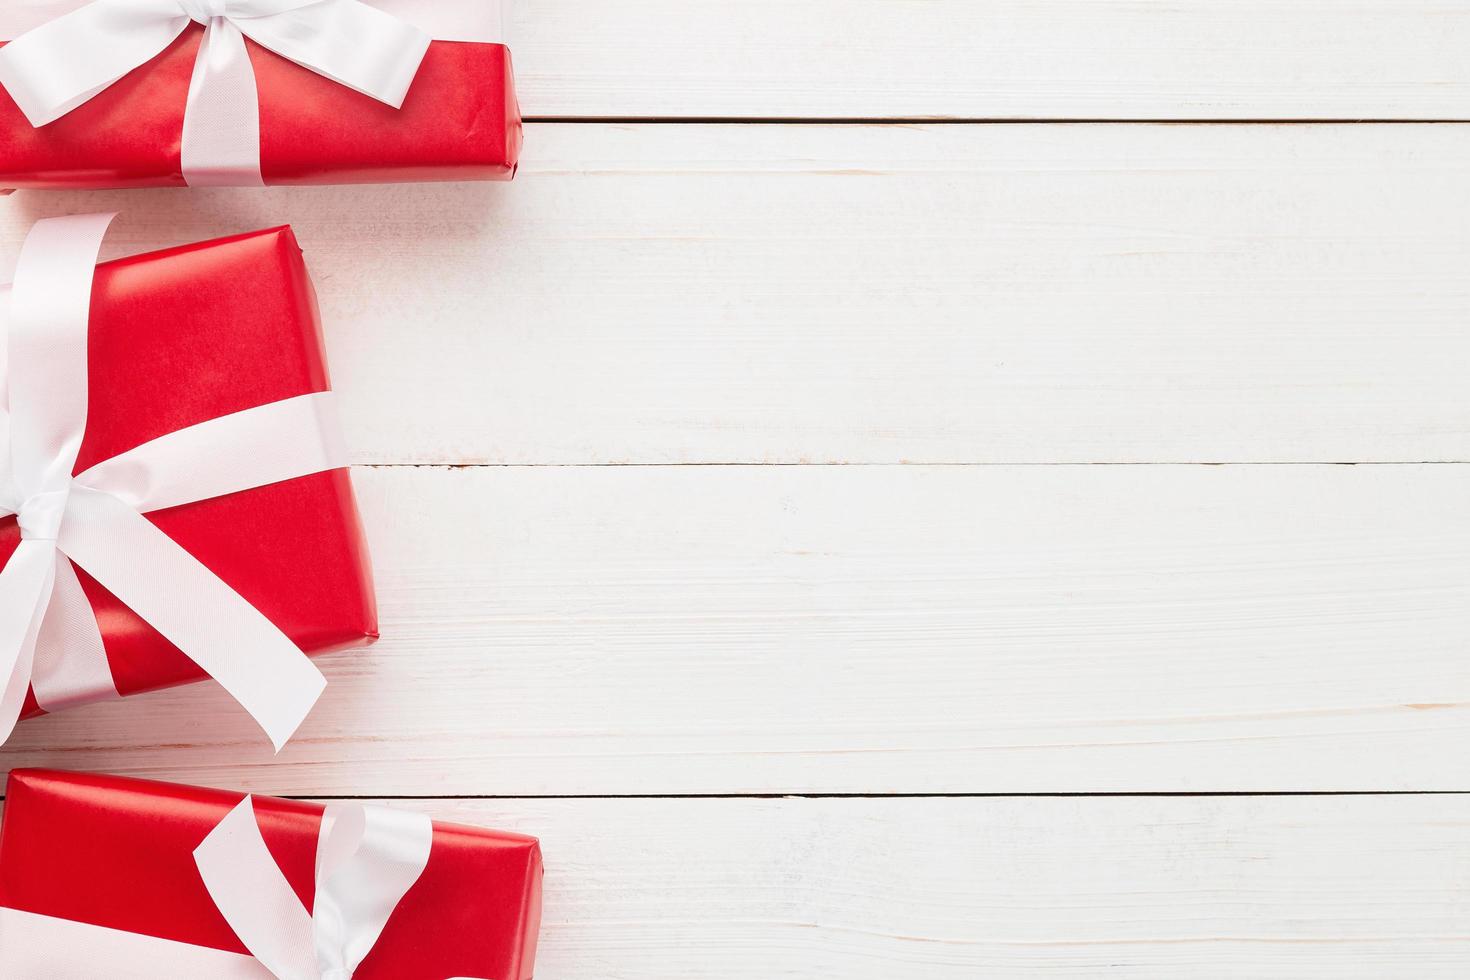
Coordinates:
460	121
118	853
186	335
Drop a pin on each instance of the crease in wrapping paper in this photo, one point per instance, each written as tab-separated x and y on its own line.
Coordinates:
118	853
194	333
461	120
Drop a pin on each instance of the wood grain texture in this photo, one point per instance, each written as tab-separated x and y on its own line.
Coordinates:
625	630
995	59
1327	888
696	294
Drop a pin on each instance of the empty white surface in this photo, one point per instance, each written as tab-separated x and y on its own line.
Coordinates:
1305	887
996	59
1037	294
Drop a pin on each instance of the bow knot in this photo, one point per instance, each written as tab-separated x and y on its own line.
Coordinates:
204	11
41	514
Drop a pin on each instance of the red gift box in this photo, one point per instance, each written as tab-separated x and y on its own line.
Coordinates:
460	121
186	335
118	853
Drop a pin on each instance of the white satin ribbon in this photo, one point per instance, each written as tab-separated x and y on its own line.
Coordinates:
367	860
62	64
49	637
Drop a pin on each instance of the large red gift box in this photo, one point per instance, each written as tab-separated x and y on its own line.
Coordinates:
186	335
118	853
460	121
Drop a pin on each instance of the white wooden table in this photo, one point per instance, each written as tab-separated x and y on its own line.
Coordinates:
873	523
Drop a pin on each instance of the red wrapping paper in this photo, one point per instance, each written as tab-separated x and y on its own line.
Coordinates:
186	335
118	853
459	122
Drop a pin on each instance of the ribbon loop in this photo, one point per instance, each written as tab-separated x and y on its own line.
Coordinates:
367	860
65	63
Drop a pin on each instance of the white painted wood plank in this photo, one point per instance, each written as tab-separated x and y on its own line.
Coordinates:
1002	59
616	630
1336	888
676	294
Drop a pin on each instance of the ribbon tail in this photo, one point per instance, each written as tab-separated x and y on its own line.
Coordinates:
254	896
353	43
221	140
25	591
194	609
71	662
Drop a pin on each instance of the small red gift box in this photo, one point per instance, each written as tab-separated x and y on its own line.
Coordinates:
186	335
459	121
119	854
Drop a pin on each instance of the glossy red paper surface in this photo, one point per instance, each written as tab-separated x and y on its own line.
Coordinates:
459	122
119	853
186	335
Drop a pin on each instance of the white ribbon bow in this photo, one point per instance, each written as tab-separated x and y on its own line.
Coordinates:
367	859
61	65
49	637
